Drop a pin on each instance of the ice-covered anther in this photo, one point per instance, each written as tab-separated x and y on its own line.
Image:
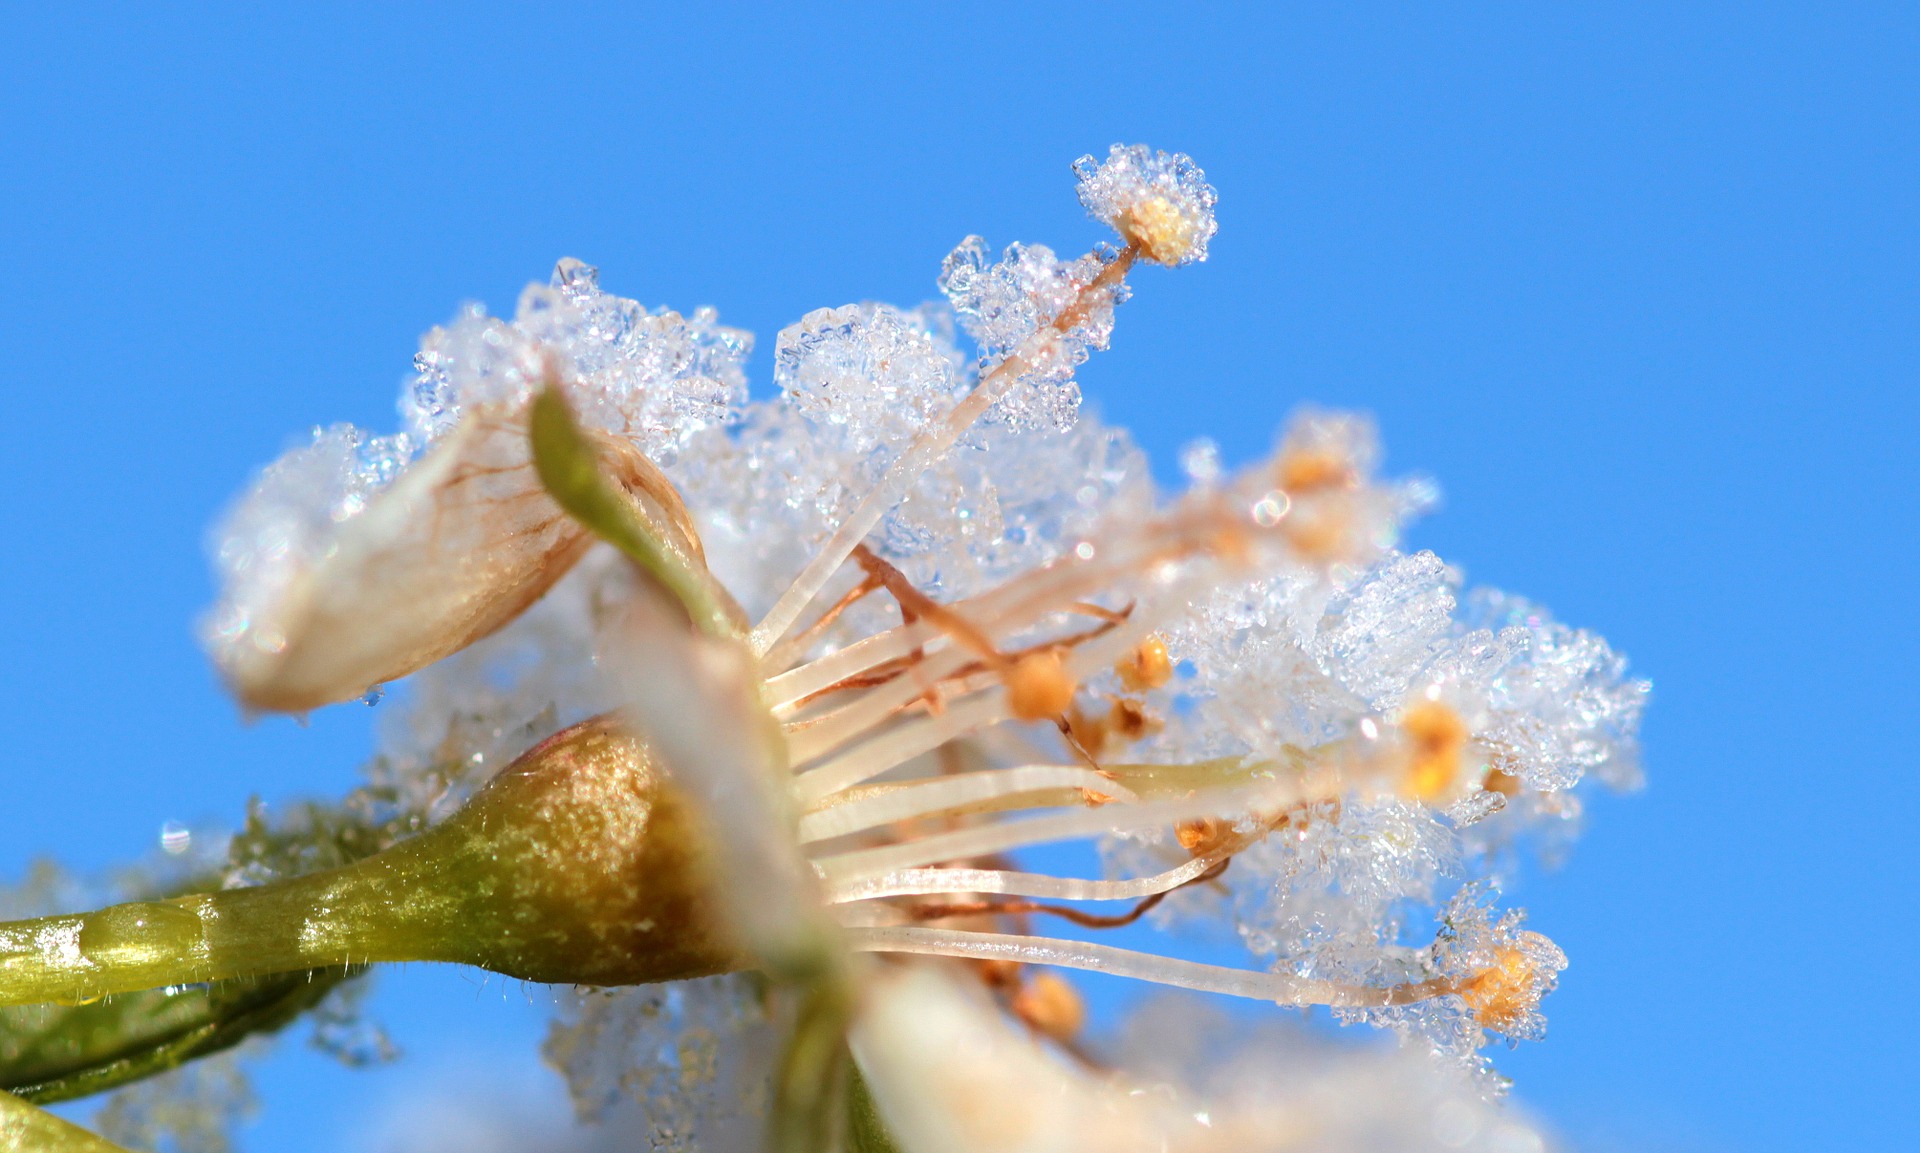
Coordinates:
358	560
1496	974
1559	699
1158	203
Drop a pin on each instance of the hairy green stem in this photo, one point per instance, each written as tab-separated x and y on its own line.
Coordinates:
579	864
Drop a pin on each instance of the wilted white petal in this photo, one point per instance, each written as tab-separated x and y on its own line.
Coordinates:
463	541
950	1073
696	700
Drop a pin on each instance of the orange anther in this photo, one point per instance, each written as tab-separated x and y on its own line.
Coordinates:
1439	737
1039	686
1200	835
1051	1006
1147	666
1502	994
1130	720
1310	470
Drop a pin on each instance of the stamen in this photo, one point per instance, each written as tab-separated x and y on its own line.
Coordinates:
789	650
945	795
935	882
1278	987
916	605
966	844
817	676
1067	912
897	746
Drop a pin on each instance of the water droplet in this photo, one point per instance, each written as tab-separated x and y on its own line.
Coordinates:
1268	510
175	838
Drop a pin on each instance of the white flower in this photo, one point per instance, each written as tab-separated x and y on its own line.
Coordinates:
980	631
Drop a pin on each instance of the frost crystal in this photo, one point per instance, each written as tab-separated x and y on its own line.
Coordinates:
654	376
1034	305
696	1055
873	373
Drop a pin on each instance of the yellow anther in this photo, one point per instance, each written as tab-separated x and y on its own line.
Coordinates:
1039	686
1130	721
1163	233
1439	737
1503	994
1312	470
1202	834
1051	1006
1147	666
1323	534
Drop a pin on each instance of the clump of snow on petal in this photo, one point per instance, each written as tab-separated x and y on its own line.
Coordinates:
286	523
656	377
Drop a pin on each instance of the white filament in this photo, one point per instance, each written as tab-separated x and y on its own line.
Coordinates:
1278	987
926	882
946	794
1004	836
899	745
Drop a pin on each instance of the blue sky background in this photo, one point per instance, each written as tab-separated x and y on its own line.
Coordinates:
1637	283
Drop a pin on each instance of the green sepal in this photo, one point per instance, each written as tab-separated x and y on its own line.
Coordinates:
58	1052
807	1084
571	469
866	1131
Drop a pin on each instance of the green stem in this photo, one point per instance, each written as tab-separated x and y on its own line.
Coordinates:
577	864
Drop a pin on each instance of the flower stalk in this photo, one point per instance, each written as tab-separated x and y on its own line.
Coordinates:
578	864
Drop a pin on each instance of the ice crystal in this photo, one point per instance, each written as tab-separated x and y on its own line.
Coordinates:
654	376
1012	306
192	1109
